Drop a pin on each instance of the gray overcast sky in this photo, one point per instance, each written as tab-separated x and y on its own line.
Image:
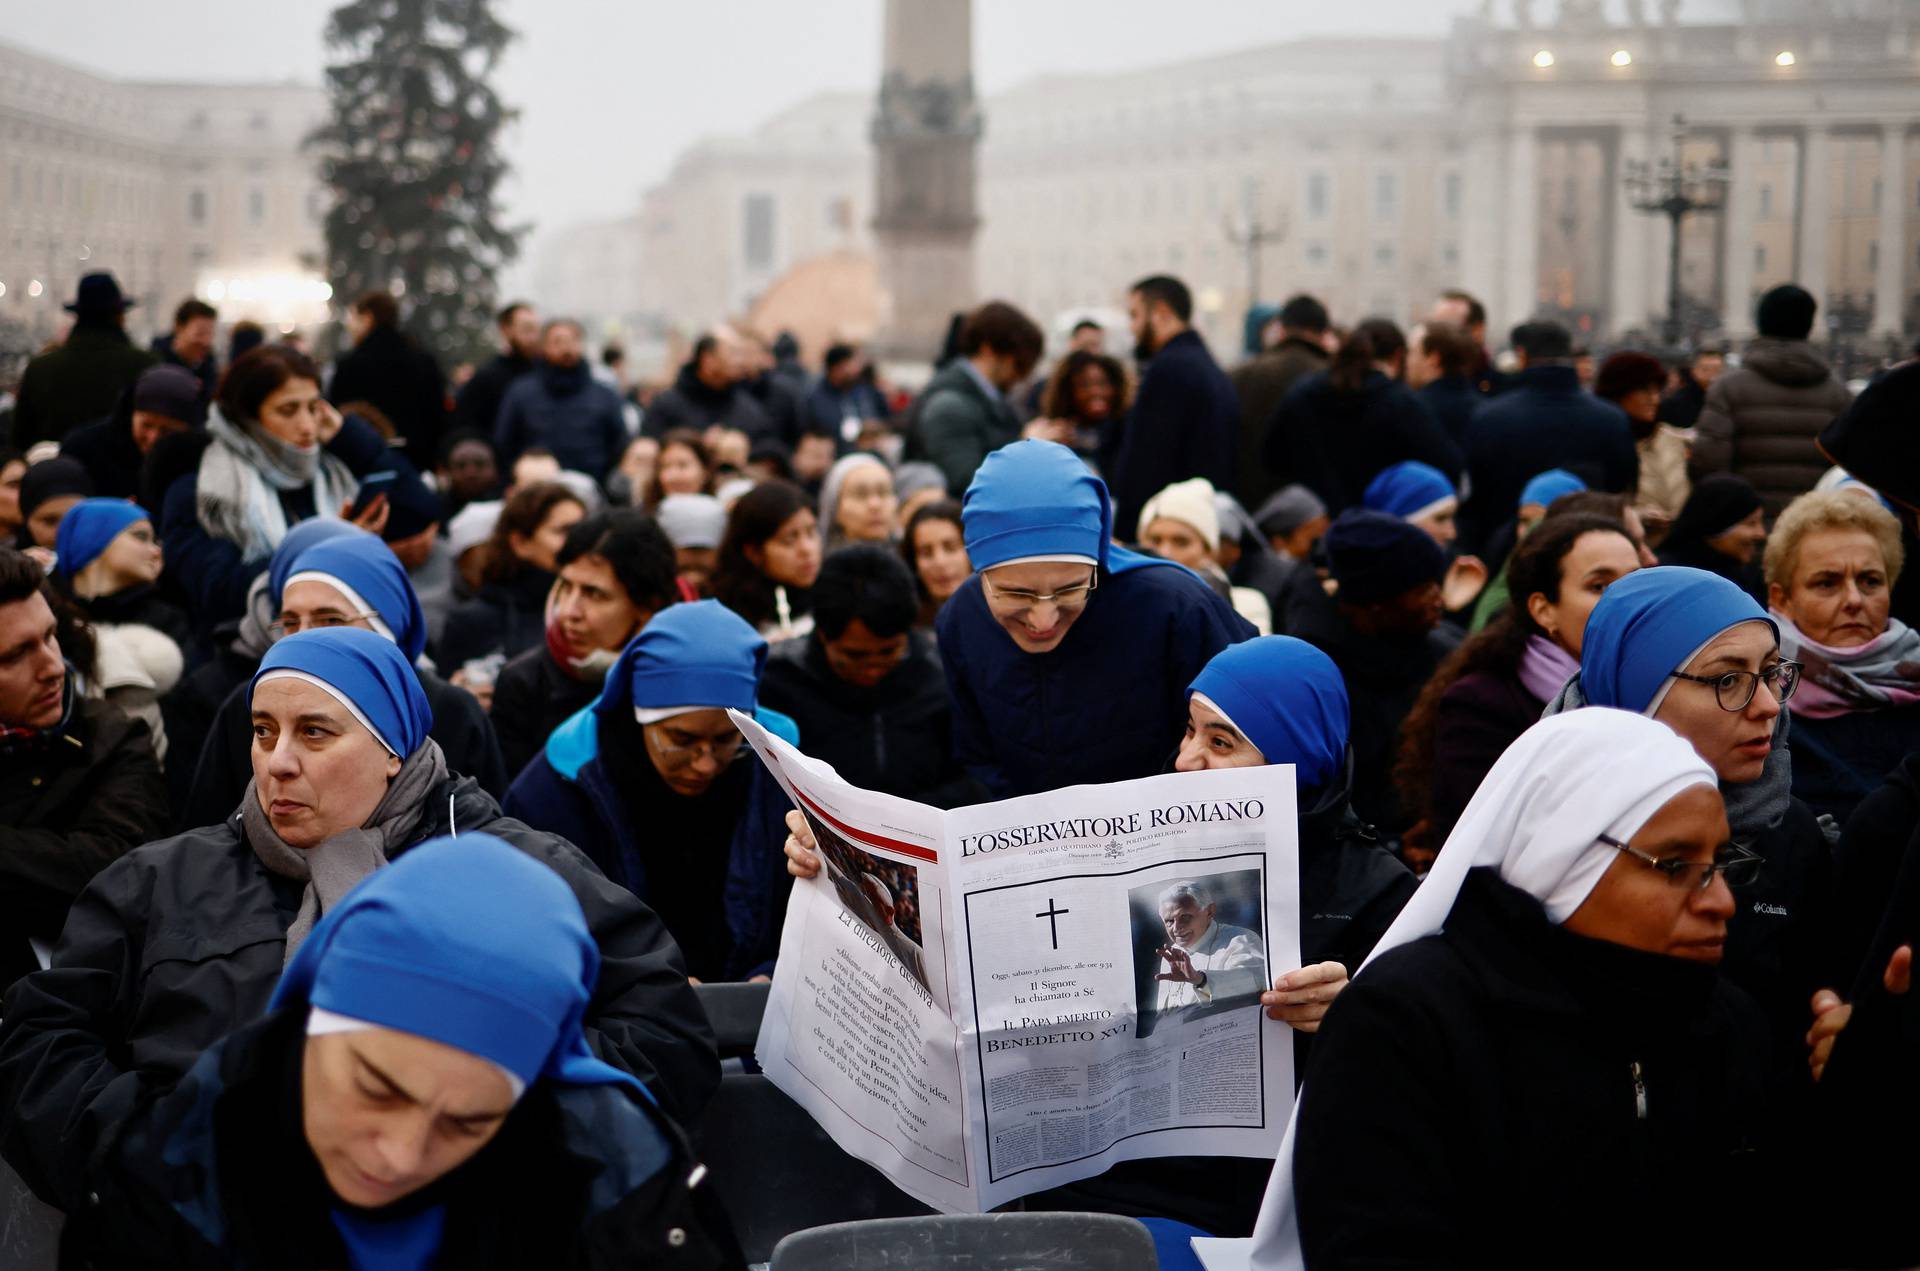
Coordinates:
611	90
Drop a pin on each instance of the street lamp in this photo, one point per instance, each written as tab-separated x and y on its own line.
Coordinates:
1676	190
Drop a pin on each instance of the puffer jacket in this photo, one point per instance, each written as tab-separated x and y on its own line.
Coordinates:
1761	421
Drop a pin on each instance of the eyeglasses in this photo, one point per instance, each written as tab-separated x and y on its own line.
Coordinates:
1064	596
1734	690
722	750
1739	863
319	622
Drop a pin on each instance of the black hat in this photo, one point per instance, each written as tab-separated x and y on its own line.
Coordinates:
411	506
1875	440
170	390
1785	313
99	295
1376	557
51	478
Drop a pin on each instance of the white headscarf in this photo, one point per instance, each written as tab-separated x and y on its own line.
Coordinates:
1537	818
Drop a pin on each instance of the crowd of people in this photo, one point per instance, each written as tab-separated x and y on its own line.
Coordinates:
373	807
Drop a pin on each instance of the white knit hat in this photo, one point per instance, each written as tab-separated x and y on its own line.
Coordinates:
1190	503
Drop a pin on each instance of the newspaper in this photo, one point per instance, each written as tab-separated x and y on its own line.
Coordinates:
999	999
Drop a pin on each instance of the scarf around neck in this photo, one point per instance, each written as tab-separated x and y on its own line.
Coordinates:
1545	668
333	867
242	475
1883	672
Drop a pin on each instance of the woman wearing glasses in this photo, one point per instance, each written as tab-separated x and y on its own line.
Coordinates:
655	783
182	941
1068	658
1538	1059
1692	650
351	579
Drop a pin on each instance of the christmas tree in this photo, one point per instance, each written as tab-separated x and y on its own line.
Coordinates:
412	156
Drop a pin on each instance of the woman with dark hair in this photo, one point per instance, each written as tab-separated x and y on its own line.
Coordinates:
276	455
1493	688
935	549
1721	530
683	466
1633	382
1087	392
508	615
13	466
1336	429
769	559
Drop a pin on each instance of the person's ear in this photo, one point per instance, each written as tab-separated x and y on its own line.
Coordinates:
1776	597
1540	609
755	554
393	766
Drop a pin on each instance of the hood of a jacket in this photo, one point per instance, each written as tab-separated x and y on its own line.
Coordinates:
1788	363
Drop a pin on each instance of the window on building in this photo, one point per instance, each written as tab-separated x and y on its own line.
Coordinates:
1759	258
257	121
1383	255
1766	202
196	207
1873	255
1451	194
757	211
1319	195
256	206
1450	256
1317	255
1386	194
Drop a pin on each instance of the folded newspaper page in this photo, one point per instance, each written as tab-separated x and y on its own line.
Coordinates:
995	1000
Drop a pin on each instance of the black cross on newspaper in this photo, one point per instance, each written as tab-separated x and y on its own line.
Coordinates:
1052	915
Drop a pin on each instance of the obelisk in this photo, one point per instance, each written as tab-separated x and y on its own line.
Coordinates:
926	129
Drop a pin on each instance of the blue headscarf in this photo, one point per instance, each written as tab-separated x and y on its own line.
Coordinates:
370	576
1649	624
365	672
467	942
88	528
302	536
701	655
1287	698
1407	489
1550	485
1036	498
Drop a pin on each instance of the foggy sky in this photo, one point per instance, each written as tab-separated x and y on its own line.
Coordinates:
610	91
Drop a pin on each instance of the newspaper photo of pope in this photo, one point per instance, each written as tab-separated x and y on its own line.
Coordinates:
1198	947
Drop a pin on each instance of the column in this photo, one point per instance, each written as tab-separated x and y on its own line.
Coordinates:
1483	227
1890	279
1628	306
1816	178
1736	266
1523	229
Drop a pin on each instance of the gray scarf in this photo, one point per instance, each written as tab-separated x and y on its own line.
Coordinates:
331	869
1752	806
237	494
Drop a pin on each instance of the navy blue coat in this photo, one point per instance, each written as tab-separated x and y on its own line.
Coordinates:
1185	422
1108	704
1335	441
1545	420
1838	762
572	414
569	790
1453	399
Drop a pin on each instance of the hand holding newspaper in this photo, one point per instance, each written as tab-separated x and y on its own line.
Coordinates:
994	1000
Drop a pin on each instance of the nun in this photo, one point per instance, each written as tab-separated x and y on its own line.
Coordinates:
1538	1064
1274	700
1692	650
349	580
396	1109
180	942
660	790
1068	657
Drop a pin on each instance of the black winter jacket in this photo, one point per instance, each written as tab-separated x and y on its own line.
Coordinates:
532	696
691	404
1839	762
1335	442
403	381
506	617
1499	1082
216	1173
72	801
181	941
1184	422
895	737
